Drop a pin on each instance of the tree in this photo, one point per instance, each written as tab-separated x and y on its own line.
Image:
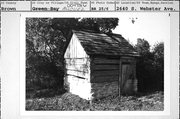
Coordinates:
46	40
158	52
104	25
44	49
150	66
144	65
142	46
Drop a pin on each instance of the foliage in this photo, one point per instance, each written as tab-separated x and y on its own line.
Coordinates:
43	53
142	46
150	66
99	24
70	102
158	53
104	25
158	63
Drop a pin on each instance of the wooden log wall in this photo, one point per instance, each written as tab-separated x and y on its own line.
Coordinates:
104	69
110	70
78	67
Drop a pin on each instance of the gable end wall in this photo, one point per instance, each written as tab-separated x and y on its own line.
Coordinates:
77	78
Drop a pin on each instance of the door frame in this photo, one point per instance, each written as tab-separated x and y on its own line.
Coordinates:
125	60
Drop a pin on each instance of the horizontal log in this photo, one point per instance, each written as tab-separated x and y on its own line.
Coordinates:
78	74
77	65
105	67
76	61
130	58
79	58
100	79
105	61
82	68
79	70
105	73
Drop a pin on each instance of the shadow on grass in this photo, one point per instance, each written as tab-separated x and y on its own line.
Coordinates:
44	93
140	94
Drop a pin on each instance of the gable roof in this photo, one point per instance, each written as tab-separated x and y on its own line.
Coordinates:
95	43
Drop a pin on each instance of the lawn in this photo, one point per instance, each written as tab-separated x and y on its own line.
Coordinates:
69	102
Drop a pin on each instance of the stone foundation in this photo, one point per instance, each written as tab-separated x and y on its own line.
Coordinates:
100	90
129	88
91	91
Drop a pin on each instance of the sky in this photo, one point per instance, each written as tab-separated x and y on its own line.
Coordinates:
153	27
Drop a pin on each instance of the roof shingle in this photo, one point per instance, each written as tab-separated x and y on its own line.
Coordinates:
95	43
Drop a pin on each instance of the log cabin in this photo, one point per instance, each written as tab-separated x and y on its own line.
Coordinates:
99	64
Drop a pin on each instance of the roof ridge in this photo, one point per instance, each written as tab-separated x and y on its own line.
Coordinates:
93	31
86	30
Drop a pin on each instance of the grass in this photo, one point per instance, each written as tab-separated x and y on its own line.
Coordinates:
69	102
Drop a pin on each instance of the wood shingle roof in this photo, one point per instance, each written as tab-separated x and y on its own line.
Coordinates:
95	43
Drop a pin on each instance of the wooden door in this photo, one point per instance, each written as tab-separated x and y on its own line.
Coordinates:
127	75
